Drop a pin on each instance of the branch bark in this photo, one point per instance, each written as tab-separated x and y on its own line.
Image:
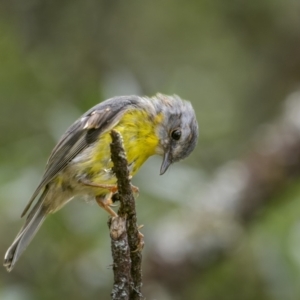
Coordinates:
121	256
125	236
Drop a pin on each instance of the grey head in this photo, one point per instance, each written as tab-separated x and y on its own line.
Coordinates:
178	131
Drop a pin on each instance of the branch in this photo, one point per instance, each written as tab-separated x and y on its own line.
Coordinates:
125	236
121	257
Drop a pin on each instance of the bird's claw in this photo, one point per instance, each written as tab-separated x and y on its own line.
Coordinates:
141	242
135	190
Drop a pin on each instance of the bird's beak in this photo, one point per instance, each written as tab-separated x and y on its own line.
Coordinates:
166	162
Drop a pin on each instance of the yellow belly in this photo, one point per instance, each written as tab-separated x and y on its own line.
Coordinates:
140	142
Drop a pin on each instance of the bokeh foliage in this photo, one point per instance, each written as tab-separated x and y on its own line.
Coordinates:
236	61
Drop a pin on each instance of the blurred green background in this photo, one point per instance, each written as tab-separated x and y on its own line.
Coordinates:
223	224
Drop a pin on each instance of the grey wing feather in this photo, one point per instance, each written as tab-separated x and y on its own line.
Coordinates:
82	133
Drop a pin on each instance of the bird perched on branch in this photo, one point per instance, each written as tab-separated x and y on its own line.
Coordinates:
80	164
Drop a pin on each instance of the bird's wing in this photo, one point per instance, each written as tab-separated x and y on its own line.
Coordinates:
81	134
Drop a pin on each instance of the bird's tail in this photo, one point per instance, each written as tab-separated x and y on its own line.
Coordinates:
33	222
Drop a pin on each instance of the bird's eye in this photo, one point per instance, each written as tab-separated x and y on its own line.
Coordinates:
176	134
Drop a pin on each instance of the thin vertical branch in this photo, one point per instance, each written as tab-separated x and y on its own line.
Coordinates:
122	261
124	231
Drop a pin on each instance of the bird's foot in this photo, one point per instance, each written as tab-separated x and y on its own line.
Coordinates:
113	188
141	242
106	204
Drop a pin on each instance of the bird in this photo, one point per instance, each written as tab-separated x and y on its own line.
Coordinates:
80	163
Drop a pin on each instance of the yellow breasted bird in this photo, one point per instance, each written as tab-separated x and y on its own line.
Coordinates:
80	163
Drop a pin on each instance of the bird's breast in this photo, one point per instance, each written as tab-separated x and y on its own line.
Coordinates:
140	141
